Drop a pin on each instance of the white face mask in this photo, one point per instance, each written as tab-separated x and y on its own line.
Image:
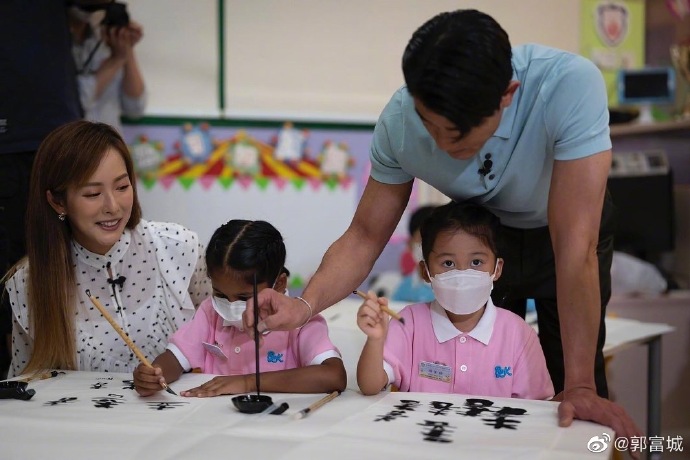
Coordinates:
231	312
417	252
462	291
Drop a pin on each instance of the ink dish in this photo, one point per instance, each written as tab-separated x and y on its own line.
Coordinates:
252	404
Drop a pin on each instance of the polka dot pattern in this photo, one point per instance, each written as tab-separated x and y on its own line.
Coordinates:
165	279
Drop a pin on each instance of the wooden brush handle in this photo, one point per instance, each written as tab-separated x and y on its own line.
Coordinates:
132	346
324	400
385	308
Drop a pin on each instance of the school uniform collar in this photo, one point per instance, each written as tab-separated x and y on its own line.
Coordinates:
114	255
445	331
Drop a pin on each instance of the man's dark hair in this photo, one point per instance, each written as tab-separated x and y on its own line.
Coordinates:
458	64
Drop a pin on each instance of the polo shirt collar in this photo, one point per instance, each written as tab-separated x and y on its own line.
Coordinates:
444	329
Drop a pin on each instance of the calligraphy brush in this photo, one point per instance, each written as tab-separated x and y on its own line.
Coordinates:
255	295
385	308
252	404
132	346
304	412
45	375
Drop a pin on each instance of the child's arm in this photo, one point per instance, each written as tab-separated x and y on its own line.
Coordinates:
318	378
166	368
371	377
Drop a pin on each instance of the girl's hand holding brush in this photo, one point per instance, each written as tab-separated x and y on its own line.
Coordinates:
372	318
148	380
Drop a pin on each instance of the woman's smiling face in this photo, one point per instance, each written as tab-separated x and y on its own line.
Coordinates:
99	209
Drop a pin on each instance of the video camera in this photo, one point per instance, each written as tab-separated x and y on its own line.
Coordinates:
115	12
116	15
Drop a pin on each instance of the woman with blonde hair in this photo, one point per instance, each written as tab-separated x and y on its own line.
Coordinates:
85	232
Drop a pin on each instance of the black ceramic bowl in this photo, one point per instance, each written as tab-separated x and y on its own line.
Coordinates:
252	404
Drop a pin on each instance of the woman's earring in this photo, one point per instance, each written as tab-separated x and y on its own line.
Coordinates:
62	216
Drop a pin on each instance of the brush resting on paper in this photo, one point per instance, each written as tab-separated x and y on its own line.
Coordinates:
304	412
132	346
385	308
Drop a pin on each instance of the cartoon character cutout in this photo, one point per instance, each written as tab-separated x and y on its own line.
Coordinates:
335	160
290	144
147	156
244	156
196	143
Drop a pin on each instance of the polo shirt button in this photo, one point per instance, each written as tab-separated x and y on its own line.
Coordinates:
491	176
463	339
463	368
237	349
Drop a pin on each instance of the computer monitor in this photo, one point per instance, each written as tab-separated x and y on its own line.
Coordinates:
646	87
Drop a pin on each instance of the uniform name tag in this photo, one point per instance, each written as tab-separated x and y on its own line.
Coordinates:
435	371
214	350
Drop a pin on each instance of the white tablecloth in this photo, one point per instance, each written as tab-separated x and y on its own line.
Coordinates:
101	417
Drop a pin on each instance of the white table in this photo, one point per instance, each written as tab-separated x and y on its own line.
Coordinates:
165	427
620	334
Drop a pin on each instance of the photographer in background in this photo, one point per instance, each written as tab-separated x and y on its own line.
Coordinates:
110	82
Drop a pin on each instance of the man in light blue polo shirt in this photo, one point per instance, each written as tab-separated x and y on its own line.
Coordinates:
558	112
523	131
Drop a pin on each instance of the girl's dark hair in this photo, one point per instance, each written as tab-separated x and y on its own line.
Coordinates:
418	217
248	247
458	64
465	216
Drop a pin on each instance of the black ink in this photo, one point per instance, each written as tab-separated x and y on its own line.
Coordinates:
475	407
404	406
436	431
108	402
440	407
60	401
501	419
165	405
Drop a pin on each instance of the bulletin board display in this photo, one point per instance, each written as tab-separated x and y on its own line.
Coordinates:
306	183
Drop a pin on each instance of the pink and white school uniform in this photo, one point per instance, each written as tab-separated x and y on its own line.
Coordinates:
500	357
206	343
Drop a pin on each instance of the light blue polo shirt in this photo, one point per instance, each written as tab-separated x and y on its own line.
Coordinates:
559	112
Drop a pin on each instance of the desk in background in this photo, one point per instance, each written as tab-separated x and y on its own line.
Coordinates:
101	417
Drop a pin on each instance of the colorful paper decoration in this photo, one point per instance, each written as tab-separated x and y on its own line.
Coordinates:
196	144
147	156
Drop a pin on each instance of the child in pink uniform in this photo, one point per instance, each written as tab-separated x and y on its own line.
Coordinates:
460	342
302	360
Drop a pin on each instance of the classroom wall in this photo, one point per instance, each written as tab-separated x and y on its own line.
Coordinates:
315	59
339	61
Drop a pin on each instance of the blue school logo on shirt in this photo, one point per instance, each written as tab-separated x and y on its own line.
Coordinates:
502	372
273	357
